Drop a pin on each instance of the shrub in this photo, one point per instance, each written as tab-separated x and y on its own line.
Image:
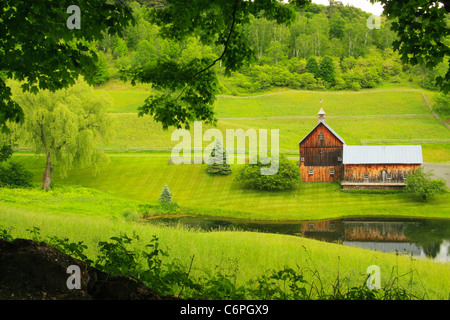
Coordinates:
442	104
169	207
15	175
6	152
130	215
287	176
421	184
308	81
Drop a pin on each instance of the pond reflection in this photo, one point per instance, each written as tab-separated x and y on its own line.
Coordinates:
417	237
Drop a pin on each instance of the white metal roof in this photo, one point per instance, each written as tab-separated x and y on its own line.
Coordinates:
329	128
382	154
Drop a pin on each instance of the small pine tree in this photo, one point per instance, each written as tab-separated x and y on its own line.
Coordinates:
166	195
215	166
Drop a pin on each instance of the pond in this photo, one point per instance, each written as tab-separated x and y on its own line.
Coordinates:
417	237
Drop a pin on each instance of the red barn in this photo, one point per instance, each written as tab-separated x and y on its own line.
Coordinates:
321	152
324	157
379	167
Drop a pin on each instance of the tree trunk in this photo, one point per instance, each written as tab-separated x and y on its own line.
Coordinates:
48	174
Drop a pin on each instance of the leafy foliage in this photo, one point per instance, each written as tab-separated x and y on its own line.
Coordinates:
442	104
327	72
38	49
287	177
65	126
6	152
129	256
422	30
422	185
185	90
313	67
14	174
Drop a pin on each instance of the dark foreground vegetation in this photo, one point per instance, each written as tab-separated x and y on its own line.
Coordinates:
122	272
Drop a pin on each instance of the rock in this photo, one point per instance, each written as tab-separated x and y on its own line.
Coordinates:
31	270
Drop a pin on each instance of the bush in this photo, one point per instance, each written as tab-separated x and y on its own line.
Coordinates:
130	215
169	208
442	104
6	152
287	177
15	175
421	184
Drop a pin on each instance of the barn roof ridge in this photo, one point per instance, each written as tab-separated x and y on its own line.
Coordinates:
329	128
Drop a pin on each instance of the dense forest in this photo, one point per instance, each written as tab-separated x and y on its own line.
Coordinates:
326	48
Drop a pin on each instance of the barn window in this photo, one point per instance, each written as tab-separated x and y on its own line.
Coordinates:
339	158
311	225
389	176
332	226
302	159
320	136
366	176
332	172
311	171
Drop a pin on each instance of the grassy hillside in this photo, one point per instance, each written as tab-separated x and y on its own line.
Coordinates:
292	103
372	114
133	131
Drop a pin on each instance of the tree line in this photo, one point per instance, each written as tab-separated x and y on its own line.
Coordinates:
326	47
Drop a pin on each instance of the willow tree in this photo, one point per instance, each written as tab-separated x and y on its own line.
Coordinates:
65	126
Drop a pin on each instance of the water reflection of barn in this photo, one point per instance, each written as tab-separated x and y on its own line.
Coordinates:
356	230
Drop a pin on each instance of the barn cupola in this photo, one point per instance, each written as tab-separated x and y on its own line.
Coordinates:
321	116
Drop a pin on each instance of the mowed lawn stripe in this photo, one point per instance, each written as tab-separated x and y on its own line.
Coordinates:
142	178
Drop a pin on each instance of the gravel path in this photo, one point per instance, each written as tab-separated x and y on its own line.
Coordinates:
439	170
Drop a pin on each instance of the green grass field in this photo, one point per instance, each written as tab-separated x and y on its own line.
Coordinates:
134	131
142	178
63	213
128	180
371	114
399	113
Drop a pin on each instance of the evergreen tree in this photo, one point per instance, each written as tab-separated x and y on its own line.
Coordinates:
326	70
165	195
313	67
217	162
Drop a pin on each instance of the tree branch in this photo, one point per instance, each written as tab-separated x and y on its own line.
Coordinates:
226	42
219	58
